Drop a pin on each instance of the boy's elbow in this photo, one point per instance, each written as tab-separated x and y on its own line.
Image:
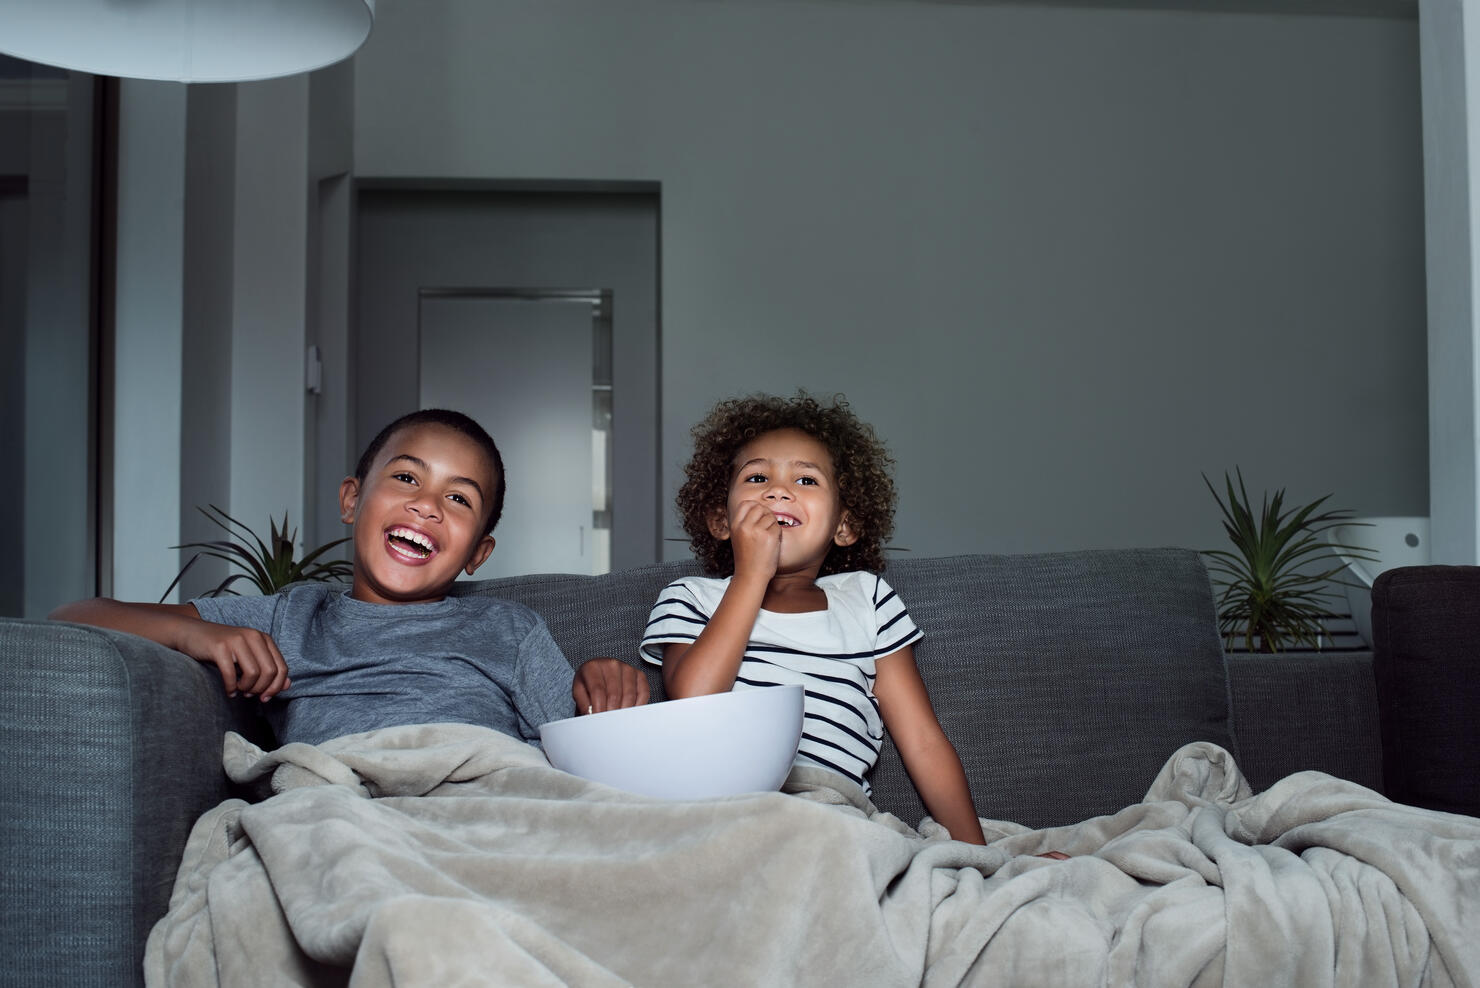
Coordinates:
75	610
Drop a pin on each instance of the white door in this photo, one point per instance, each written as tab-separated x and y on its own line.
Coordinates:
522	368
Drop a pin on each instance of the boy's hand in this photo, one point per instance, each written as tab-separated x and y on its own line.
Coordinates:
608	684
248	659
755	538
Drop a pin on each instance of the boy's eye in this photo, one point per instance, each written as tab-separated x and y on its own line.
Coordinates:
459	499
404	478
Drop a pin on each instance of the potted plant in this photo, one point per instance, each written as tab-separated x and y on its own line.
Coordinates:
1276	579
268	565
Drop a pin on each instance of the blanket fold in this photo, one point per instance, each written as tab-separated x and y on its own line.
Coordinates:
445	854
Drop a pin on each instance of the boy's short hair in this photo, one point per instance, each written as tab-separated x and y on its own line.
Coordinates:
860	460
458	422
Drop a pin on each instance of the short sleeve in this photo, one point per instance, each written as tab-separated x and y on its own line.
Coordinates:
242	612
896	628
543	687
677	618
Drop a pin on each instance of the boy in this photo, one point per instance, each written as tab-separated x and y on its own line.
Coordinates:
395	649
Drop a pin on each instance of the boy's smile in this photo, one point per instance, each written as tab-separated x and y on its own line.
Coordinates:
419	516
414	546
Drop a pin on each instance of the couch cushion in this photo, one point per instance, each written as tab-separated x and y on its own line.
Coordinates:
1087	668
1426	660
1090	667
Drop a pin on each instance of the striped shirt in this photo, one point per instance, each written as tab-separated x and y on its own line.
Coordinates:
830	653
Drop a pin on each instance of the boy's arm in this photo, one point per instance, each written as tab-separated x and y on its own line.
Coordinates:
605	683
248	659
927	753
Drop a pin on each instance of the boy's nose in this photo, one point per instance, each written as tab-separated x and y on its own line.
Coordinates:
423	507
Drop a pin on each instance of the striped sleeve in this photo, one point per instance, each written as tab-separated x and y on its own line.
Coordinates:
896	628
677	617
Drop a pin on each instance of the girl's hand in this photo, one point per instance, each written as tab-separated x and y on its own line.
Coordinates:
755	537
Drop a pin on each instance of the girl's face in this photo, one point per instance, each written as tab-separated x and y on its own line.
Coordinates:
791	474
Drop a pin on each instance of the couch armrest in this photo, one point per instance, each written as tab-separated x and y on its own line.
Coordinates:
1306	710
112	749
1426	632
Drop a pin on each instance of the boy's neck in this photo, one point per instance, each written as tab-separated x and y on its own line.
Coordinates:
364	594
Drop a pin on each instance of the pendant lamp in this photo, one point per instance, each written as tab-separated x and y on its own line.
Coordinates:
185	40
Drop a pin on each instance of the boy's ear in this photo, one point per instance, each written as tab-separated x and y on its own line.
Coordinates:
719	523
349	498
845	535
480	554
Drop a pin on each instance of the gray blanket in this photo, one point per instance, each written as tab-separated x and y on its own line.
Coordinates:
449	854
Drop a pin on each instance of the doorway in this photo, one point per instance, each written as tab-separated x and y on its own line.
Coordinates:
534	310
541	357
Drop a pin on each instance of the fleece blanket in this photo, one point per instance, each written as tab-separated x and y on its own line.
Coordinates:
452	855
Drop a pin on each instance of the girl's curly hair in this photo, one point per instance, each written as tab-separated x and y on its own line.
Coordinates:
860	460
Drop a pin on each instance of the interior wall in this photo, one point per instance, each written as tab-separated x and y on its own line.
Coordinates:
209	263
148	337
1451	105
1065	260
330	450
269	306
217	188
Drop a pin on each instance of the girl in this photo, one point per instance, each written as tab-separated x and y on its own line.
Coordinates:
788	503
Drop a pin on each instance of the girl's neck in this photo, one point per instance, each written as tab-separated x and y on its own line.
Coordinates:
794	593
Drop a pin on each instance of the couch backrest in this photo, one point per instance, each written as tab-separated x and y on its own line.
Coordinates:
1064	679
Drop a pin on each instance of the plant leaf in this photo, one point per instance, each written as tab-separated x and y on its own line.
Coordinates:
268	565
1276	580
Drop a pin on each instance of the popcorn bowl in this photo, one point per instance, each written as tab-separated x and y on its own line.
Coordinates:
699	747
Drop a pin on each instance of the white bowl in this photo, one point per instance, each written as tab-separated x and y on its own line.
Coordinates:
702	746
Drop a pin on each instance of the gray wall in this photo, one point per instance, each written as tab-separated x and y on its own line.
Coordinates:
45	347
210	174
1064	259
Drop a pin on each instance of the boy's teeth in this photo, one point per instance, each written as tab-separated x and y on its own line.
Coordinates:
415	538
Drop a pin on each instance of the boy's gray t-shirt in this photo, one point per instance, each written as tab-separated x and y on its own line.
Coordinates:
357	666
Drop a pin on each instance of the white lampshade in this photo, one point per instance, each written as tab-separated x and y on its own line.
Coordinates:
185	40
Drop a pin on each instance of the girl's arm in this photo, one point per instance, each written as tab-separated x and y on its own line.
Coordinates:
928	754
711	663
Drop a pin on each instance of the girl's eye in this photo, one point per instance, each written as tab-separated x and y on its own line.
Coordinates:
756	478
807	481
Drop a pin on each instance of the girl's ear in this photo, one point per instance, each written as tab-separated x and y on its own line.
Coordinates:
349	497
845	535
719	522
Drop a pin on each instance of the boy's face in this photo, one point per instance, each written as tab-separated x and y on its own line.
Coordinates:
419	516
791	474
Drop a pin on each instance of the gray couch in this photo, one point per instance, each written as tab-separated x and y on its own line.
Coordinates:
1065	681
